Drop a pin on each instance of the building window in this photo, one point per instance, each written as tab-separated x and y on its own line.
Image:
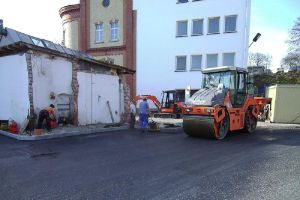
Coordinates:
214	25
63	42
196	62
37	41
114	30
182	1
211	60
230	24
197	27
99	33
228	59
182	28
180	63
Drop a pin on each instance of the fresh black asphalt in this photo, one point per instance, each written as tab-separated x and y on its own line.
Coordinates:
166	165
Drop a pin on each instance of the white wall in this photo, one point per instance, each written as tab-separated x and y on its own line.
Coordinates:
92	98
49	75
157	45
14	99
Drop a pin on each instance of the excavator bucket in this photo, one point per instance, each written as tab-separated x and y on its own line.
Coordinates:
199	126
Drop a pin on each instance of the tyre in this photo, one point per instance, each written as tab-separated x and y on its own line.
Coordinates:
223	128
250	123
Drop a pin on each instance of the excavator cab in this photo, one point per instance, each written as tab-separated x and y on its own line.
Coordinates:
168	98
171	103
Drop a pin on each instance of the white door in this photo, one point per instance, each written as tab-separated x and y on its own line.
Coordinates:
95	90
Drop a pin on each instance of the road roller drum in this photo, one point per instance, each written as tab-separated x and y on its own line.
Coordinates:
198	126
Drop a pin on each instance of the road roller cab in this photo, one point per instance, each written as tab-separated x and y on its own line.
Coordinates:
222	105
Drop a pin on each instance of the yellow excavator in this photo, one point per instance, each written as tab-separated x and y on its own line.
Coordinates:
223	104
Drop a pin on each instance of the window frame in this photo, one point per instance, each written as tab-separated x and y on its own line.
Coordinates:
207	59
99	31
236	21
64	37
114	31
208	33
234	57
191	62
180	70
187	27
192	27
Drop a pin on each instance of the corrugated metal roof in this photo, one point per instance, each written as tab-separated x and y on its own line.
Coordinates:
15	37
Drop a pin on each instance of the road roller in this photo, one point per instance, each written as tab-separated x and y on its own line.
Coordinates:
223	104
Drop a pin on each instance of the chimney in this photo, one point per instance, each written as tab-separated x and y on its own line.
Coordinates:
3	31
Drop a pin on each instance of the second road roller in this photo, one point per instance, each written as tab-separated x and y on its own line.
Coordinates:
223	104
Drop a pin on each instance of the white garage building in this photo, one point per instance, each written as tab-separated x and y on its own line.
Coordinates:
35	73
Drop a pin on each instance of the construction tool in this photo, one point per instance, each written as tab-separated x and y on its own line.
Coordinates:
110	112
153	126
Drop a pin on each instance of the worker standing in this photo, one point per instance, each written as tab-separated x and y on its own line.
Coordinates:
144	112
47	114
132	114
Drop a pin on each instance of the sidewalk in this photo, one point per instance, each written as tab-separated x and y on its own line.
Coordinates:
66	131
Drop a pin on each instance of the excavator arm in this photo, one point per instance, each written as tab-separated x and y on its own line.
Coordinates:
148	97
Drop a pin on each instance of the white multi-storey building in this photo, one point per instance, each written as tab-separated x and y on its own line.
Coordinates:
178	38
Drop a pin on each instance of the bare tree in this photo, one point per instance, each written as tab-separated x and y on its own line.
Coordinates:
260	59
294	41
292	59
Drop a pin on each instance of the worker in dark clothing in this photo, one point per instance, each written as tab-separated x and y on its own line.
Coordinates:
132	114
47	114
144	112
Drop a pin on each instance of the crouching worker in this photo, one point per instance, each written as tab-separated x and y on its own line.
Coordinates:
47	114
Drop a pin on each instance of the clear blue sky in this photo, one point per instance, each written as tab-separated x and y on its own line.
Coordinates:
275	13
272	18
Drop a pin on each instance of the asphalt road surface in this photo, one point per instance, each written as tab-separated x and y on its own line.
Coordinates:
166	165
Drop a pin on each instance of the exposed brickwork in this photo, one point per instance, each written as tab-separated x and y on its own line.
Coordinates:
75	88
130	38
83	33
127	99
30	81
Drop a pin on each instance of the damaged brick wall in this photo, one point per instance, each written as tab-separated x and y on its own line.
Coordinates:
30	81
75	88
127	99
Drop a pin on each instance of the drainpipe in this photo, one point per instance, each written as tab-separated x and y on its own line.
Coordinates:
91	96
120	98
